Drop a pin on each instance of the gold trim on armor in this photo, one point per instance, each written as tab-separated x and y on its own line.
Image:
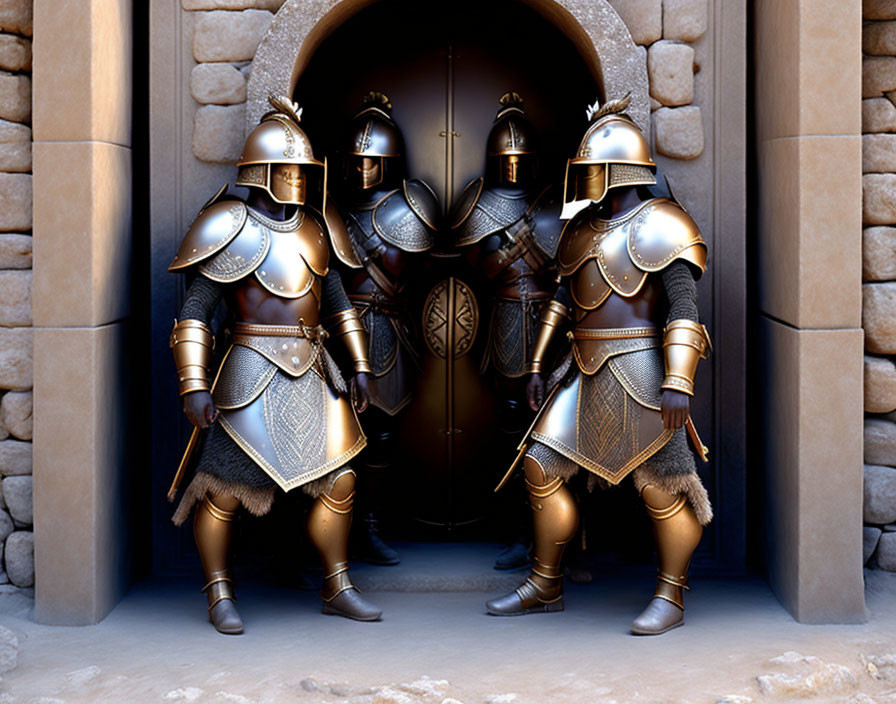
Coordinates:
612	333
542	491
301	330
216	512
347	325
552	315
343	506
685	343
662	514
192	343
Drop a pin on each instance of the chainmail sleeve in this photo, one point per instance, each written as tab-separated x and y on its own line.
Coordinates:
201	300
681	290
333	299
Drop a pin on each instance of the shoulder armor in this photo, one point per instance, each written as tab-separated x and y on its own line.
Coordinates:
405	217
491	213
464	205
339	237
215	226
241	256
628	248
662	232
546	223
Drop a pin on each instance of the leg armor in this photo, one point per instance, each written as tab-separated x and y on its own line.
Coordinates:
212	529
555	520
677	534
329	522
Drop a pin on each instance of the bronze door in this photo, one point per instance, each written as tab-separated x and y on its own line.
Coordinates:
444	83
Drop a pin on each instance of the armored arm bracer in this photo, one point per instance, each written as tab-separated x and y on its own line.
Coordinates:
347	325
552	316
193	344
685	343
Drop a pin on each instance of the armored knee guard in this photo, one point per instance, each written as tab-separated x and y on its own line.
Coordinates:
212	530
328	528
677	533
555	520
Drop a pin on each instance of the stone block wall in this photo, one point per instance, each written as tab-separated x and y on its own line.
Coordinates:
879	279
227	33
16	512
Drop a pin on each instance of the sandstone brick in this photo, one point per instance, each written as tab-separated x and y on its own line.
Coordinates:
878	115
886	552
19	558
15	53
16	413
219	83
879	9
15	202
879	493
880	386
16	362
870	539
879	442
879	199
879	254
15	147
684	19
879	317
15	251
229	36
879	153
644	18
679	132
15	97
16	458
218	133
17	16
15	298
272	5
879	38
878	75
670	68
19	492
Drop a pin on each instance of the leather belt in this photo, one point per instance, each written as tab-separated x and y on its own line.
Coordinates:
612	333
316	332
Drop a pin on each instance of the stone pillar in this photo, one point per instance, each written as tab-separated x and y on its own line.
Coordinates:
808	139
82	233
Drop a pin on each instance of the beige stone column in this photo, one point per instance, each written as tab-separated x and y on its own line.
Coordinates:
82	242
809	157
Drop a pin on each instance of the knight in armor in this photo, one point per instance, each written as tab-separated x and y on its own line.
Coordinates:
619	403
277	414
391	222
510	229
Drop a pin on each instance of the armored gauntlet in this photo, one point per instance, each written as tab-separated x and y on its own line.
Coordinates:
553	314
347	325
685	343
192	343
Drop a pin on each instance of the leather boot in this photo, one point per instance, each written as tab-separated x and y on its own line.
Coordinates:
329	523
677	534
555	519
372	549
212	529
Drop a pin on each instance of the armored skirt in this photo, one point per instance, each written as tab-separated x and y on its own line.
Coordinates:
603	414
512	332
392	357
284	420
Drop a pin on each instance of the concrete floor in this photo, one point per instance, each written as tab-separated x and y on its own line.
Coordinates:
438	647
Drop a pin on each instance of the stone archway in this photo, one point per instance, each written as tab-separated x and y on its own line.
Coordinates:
593	26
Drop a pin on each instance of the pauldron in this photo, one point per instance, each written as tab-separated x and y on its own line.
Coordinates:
406	218
229	241
480	213
605	256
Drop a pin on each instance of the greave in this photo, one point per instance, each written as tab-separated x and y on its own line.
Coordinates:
212	530
677	533
329	522
555	519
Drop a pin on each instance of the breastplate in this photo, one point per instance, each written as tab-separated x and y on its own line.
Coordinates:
285	257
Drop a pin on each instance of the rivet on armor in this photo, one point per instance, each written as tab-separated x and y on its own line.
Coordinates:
285	347
295	360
